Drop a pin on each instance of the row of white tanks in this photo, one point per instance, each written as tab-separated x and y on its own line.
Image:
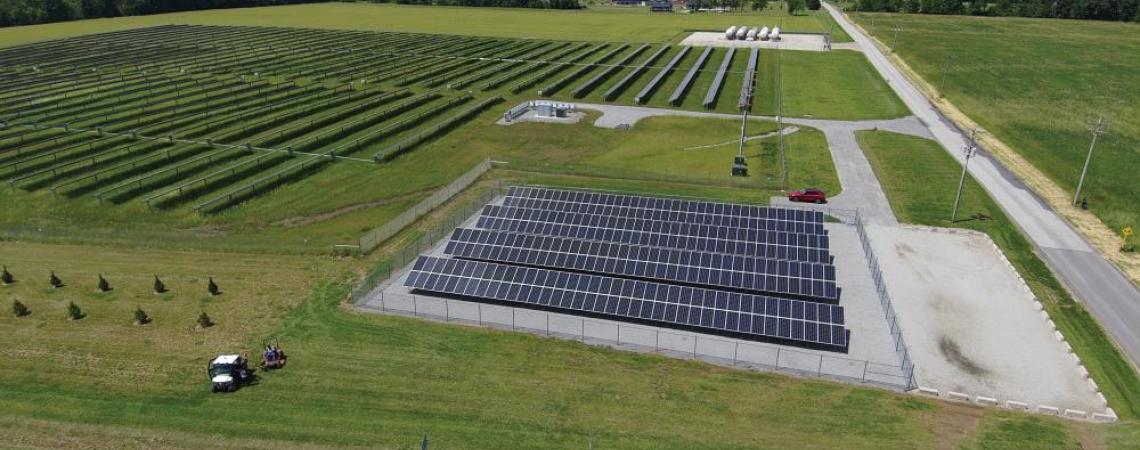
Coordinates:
742	33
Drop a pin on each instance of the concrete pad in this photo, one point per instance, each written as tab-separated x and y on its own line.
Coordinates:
788	41
970	326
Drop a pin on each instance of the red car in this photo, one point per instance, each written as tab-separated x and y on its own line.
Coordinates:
808	195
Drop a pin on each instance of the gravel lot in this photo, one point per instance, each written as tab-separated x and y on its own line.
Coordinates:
788	41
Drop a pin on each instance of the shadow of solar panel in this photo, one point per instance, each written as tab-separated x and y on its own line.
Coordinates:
705	310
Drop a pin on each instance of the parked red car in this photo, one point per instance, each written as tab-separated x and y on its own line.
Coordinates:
808	195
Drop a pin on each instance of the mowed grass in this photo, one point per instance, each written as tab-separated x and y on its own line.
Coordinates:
920	178
1036	84
361	380
596	23
835	85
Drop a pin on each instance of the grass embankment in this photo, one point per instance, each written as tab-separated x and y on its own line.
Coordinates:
920	180
1036	84
380	381
600	24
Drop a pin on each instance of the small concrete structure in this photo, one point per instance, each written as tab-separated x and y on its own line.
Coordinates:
552	110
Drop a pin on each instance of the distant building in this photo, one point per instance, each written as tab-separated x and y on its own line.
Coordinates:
661	6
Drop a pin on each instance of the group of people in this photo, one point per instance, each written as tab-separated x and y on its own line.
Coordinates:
272	353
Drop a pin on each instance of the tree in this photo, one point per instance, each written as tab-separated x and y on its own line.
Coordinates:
73	312
795	6
213	288
19	309
159	286
813	5
55	281
6	277
758	5
204	320
104	286
141	318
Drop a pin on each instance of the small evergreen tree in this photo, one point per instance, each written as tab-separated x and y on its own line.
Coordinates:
795	6
140	317
813	5
55	281
204	320
19	309
213	287
159	286
104	286
73	311
6	277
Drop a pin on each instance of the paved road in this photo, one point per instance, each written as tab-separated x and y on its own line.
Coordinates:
1111	297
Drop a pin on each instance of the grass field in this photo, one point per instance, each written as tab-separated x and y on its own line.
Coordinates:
378	381
919	179
598	23
1036	84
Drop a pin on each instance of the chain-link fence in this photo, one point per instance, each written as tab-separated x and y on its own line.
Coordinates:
716	350
369	241
885	301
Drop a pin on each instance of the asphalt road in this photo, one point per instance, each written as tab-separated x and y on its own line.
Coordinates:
1111	297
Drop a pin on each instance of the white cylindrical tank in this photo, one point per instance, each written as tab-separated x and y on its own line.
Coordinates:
763	36
752	34
741	32
775	34
730	33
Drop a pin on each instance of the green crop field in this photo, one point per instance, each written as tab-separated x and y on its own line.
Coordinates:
1037	84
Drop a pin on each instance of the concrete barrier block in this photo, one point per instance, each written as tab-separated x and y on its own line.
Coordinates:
1104	417
1076	359
1068	348
1103	401
986	401
1093	386
1037	304
957	396
1083	371
1052	326
928	391
1044	315
1058	336
1050	410
1076	413
1011	404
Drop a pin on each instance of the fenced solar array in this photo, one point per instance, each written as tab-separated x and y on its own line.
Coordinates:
208	116
754	272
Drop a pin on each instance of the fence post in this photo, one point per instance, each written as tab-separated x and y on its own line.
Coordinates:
415	307
512	318
777	358
735	353
865	363
446	310
819	371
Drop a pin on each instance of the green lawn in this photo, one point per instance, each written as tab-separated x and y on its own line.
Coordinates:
920	179
599	23
1036	84
379	381
835	85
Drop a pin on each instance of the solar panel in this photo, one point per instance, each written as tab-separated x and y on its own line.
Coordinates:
811	281
783	246
703	218
666	204
639	224
743	315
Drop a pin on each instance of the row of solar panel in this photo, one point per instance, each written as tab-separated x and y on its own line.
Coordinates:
669	216
627	223
813	290
753	316
557	244
666	204
798	247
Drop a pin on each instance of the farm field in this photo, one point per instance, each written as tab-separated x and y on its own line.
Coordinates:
142	131
1036	84
126	384
595	23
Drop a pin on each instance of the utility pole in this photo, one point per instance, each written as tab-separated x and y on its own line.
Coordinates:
945	68
970	148
895	42
1097	129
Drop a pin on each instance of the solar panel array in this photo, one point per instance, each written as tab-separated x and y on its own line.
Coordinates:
754	272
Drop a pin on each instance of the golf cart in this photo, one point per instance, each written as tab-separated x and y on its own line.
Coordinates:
228	373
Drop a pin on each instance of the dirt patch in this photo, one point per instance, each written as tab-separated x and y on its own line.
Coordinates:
903	250
300	221
950	350
952	423
1099	235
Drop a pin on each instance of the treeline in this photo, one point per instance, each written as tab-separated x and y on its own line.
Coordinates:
537	4
28	12
1119	10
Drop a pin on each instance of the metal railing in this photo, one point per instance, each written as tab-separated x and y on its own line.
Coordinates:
888	308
